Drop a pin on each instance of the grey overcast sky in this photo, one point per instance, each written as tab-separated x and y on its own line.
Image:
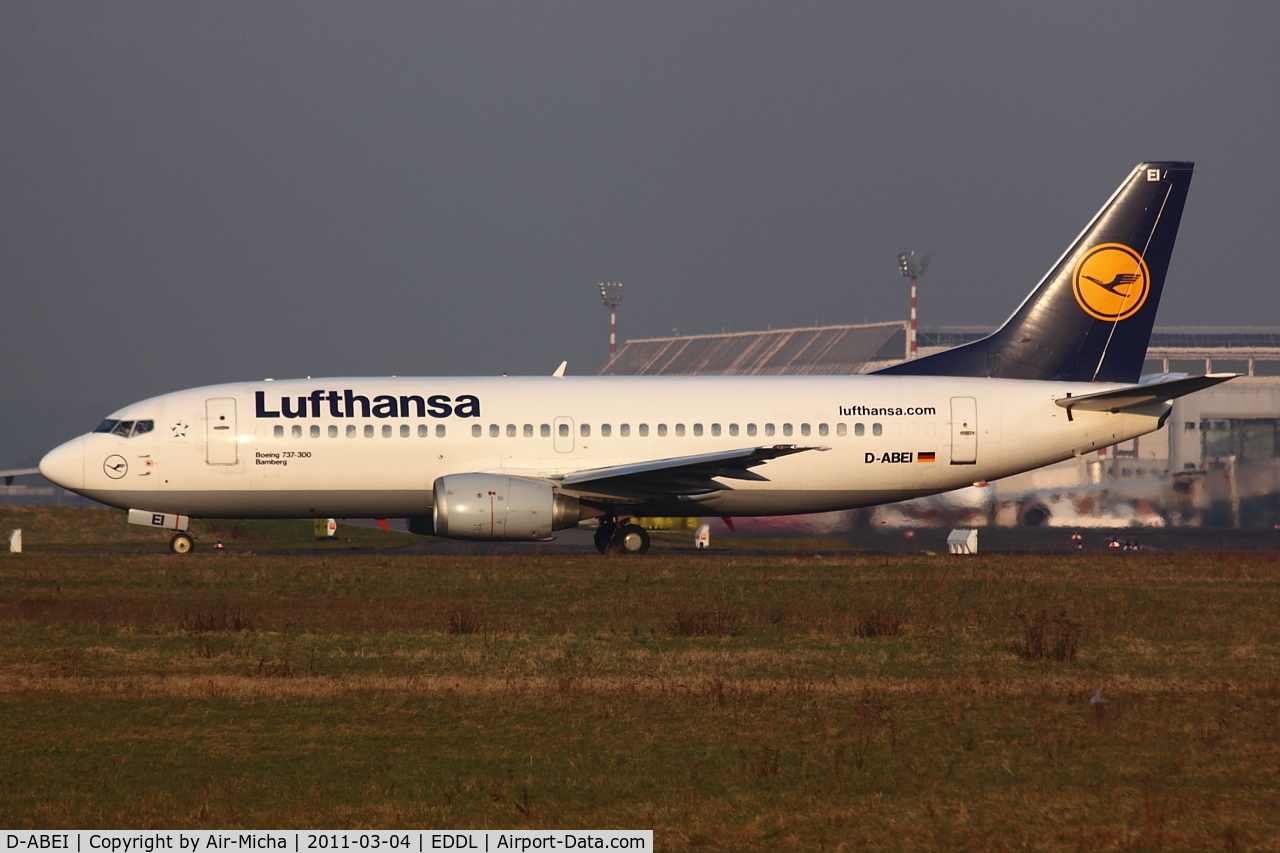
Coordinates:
199	193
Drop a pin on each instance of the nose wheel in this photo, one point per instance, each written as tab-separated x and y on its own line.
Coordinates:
614	538
181	543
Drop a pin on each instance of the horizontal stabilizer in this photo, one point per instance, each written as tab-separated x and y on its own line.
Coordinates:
681	475
1140	395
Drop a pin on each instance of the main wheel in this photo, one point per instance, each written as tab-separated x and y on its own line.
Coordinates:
604	536
632	539
181	543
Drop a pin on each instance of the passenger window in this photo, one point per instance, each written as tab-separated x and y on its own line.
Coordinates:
662	429
123	429
786	429
751	429
351	430
585	430
768	429
297	431
333	431
564	430
439	430
386	430
733	429
876	429
822	429
605	430
511	430
368	430
545	430
697	429
278	432
404	430
528	430
842	429
804	429
859	429
142	427
644	429
476	430
624	430
715	429
679	429
315	430
422	430
494	429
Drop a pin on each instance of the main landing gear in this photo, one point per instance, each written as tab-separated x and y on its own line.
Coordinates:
614	538
181	543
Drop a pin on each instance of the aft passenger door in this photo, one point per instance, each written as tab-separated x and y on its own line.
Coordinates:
220	431
562	430
964	431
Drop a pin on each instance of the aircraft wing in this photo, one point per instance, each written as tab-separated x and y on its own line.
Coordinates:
17	472
681	475
1138	395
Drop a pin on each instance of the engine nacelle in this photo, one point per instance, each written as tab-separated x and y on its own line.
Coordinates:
497	507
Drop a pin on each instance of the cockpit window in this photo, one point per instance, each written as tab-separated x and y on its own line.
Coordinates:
126	429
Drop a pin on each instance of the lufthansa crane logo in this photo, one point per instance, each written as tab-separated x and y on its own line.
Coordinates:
115	467
1111	282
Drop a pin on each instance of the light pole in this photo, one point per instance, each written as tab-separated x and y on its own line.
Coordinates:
909	268
611	294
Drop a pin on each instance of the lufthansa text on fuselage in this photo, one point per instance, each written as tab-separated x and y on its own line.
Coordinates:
348	404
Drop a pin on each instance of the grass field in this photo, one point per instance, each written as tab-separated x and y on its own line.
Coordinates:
728	702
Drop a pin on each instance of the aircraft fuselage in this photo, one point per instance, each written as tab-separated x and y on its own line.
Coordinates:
372	447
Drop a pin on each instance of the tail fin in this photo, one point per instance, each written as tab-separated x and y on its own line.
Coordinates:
1090	318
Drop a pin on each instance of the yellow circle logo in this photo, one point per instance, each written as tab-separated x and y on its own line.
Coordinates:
1111	282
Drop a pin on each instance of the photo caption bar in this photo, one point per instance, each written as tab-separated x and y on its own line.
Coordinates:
415	841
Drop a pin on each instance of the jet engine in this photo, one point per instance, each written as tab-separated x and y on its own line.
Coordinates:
497	507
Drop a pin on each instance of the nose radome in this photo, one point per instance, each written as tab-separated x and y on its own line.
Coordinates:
64	464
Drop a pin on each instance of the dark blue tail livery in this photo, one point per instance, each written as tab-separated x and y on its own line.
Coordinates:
1090	318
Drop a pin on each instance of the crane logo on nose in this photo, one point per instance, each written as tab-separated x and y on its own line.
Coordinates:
115	467
1111	282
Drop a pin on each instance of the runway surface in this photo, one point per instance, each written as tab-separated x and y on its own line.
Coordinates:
1024	540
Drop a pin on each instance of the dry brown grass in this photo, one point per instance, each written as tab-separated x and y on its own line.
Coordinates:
730	703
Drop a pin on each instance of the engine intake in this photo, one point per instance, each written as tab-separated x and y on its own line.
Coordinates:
500	508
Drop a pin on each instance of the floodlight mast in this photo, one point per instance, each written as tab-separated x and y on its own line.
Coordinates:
611	294
909	268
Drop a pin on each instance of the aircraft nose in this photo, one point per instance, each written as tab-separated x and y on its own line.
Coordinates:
64	464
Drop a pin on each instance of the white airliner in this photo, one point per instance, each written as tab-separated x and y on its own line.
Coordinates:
516	458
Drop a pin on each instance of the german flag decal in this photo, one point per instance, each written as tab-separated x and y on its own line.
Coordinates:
924	456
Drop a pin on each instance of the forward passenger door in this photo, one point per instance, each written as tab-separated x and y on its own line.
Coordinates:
220	431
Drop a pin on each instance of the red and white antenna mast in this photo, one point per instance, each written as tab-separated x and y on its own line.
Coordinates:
909	268
611	293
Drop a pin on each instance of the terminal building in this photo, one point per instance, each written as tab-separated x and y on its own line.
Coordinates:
1216	461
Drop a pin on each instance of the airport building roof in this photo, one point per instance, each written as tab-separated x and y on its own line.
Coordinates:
816	350
861	348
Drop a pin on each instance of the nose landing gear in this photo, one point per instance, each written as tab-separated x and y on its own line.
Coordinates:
614	538
181	543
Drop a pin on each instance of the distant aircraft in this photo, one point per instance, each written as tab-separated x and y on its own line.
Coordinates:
518	458
8	476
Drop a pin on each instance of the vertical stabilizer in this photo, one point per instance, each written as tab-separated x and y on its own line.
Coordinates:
1090	318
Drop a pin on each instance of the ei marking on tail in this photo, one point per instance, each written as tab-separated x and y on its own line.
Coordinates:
1111	282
